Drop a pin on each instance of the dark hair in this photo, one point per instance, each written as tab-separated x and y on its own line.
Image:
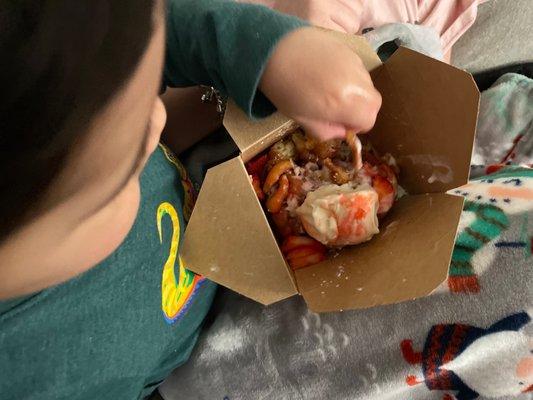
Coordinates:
61	61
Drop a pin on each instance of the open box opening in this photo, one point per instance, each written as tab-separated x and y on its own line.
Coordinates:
427	122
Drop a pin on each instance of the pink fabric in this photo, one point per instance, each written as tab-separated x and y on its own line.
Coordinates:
450	18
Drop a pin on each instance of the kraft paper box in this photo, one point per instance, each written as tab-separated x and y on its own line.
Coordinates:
427	122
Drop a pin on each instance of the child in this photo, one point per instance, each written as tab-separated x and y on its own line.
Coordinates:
96	303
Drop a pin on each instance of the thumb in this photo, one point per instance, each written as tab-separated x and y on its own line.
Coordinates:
357	112
358	109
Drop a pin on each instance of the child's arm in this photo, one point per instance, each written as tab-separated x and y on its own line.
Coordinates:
239	48
194	120
223	44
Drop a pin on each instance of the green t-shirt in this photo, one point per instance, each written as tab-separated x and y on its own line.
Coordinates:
118	329
112	331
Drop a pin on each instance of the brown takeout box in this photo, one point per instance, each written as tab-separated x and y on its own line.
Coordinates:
427	122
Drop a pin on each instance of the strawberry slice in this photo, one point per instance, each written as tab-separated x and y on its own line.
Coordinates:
303	251
293	242
306	261
256	166
256	183
387	172
382	186
281	220
385	192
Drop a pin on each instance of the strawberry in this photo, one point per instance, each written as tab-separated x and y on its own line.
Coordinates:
303	251
293	242
385	192
306	261
256	183
256	166
281	220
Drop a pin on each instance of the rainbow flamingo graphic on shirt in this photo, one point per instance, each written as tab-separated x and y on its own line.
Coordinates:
176	293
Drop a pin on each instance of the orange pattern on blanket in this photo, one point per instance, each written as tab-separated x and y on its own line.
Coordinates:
522	193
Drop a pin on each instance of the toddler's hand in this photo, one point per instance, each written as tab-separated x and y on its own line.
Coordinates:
322	84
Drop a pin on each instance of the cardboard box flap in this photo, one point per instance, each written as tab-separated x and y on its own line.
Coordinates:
427	121
239	250
254	136
408	259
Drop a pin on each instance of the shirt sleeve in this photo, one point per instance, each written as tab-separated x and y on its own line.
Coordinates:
224	44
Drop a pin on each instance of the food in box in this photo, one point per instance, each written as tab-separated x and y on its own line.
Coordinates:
321	195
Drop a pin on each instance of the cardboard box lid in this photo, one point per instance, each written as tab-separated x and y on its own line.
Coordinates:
228	238
427	120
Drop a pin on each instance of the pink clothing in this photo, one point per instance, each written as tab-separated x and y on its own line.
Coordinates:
450	18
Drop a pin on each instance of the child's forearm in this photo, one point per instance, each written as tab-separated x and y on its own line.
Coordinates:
224	44
310	75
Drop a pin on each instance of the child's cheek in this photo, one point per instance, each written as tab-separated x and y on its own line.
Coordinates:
122	215
157	123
